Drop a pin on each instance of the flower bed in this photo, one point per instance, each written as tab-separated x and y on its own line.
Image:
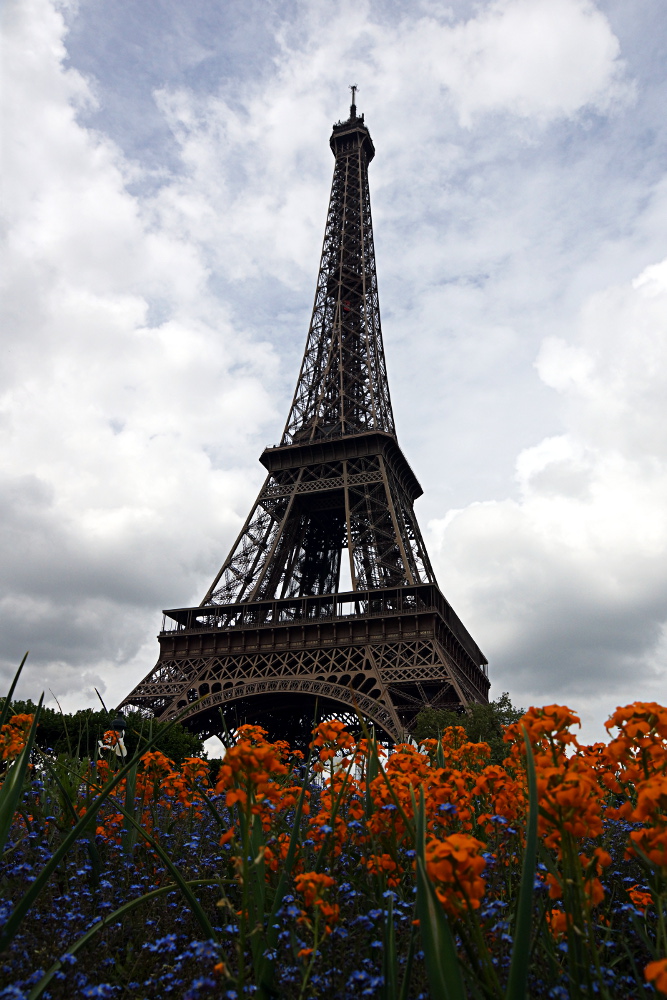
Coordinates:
423	871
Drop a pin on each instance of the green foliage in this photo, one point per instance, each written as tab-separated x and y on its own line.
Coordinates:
76	733
482	723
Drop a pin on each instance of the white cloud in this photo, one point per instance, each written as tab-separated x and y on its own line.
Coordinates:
568	584
124	441
254	162
540	59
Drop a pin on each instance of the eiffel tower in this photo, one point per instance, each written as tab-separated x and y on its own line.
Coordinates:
274	634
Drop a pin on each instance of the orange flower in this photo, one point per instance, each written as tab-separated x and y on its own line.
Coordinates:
248	771
14	735
652	799
653	842
313	886
642	900
557	921
656	973
382	864
548	731
555	887
570	801
639	749
332	737
455	865
507	795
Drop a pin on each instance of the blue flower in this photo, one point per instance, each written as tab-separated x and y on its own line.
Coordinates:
165	944
102	990
197	985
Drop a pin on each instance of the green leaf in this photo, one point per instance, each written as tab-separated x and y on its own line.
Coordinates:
265	981
7	702
407	974
517	983
129	832
440	955
442	963
389	956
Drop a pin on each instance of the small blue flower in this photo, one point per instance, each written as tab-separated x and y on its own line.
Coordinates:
165	944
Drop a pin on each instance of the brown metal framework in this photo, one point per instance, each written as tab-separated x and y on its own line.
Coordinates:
273	633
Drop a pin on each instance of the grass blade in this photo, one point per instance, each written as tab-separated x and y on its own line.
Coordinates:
440	956
12	786
442	963
7	702
517	983
39	988
265	983
192	900
13	922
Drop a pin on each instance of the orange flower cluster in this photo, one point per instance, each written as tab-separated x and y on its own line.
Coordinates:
111	738
14	735
638	755
340	803
642	900
158	782
570	793
332	738
557	922
455	865
253	776
313	886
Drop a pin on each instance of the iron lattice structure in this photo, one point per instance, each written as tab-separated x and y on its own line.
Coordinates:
274	633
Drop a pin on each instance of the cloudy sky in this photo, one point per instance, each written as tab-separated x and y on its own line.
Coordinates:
166	176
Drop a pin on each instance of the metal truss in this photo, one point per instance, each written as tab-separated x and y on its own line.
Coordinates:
338	489
352	676
342	386
305	519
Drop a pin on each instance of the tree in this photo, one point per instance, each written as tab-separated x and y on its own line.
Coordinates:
77	733
482	723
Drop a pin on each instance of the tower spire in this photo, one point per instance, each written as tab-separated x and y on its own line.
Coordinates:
353	105
342	386
328	594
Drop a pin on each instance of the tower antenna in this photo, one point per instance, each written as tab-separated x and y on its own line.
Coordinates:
353	106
